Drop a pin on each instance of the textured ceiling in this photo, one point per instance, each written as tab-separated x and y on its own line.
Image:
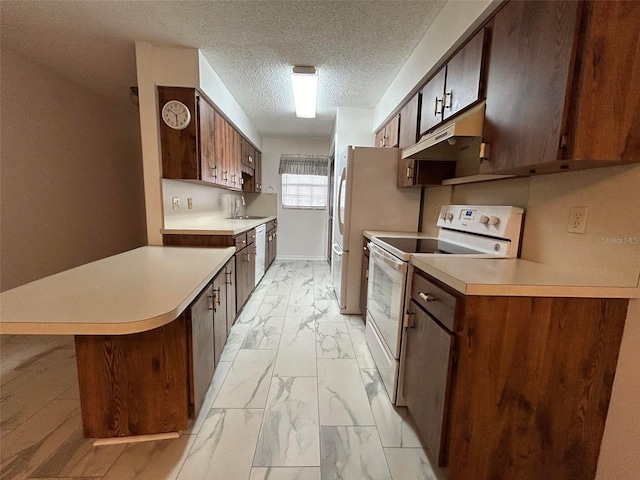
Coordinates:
357	47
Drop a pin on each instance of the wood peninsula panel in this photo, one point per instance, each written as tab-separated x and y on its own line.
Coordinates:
134	384
532	386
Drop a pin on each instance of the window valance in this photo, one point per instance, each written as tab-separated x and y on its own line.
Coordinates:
296	164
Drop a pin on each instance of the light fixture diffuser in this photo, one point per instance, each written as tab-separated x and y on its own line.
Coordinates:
305	88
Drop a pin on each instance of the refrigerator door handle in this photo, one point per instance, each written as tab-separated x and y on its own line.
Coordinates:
340	190
337	250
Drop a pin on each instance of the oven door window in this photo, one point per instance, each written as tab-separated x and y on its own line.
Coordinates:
385	299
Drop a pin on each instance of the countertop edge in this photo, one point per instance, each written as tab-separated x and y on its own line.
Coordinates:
219	231
139	326
530	290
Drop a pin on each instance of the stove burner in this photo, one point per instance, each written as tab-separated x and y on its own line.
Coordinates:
426	245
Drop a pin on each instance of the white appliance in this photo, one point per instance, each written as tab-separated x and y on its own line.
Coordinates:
367	199
472	231
261	231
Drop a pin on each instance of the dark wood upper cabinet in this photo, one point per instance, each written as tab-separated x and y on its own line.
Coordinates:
409	116
432	100
563	86
206	140
603	120
464	75
180	155
387	136
529	65
456	86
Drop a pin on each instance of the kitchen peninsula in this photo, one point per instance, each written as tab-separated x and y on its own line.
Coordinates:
140	370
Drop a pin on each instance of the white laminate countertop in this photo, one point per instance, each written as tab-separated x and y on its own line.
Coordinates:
207	225
517	277
131	292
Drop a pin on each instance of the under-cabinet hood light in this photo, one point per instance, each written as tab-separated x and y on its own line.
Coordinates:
305	88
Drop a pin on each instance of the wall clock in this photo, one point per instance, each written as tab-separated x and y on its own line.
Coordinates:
176	115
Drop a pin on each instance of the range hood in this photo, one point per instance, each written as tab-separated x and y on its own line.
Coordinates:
459	139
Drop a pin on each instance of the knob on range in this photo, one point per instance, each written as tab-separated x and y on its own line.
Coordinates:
494	220
446	216
484	219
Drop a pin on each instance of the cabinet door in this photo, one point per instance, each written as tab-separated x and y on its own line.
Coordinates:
392	132
230	273
251	269
603	120
257	172
426	381
409	122
464	72
206	140
242	277
220	149
219	314
432	100
236	160
527	78
202	346
380	138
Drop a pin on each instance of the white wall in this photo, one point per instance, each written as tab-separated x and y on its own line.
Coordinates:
442	37
301	233
353	126
71	185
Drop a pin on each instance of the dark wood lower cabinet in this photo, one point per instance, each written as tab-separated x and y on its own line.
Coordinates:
219	300
201	346
531	380
134	384
232	310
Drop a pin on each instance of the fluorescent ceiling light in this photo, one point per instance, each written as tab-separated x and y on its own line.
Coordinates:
305	89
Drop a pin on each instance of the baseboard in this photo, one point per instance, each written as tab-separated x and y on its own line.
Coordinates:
299	257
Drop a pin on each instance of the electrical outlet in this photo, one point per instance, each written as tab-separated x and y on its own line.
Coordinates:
577	220
176	202
190	203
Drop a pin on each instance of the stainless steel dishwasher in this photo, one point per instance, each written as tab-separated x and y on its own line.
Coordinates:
260	251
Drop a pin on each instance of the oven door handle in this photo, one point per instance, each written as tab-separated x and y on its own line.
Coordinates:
380	254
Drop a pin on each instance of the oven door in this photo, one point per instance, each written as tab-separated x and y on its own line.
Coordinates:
385	295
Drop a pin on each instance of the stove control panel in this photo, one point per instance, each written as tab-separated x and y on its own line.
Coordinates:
495	221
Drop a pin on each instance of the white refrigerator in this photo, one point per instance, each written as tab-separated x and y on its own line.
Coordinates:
367	199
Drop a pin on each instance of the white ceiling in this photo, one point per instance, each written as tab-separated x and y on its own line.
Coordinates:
357	47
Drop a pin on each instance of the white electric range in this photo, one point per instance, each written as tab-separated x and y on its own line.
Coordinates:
469	230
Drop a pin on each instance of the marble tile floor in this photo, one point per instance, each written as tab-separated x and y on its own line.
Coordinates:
296	396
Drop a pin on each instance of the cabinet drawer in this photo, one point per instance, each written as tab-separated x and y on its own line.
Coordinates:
251	236
271	225
240	241
439	303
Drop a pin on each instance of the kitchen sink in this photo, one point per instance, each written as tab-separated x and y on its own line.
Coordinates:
247	217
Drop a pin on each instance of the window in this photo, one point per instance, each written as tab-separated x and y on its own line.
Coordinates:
304	191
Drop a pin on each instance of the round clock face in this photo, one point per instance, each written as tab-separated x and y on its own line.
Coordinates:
176	114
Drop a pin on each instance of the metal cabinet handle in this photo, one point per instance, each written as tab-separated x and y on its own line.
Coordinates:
409	173
427	297
448	99
435	109
230	279
407	320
